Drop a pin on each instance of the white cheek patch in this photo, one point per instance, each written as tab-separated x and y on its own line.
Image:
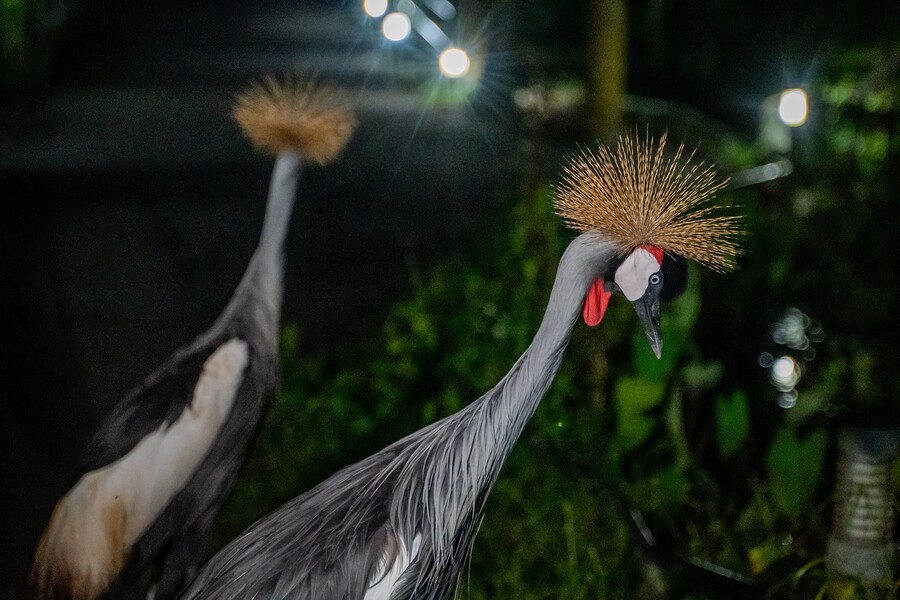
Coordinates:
634	273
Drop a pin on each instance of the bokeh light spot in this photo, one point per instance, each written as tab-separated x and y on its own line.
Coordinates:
454	62
396	26
375	8
785	373
793	107
788	399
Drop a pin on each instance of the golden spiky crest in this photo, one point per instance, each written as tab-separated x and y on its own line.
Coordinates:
637	194
295	114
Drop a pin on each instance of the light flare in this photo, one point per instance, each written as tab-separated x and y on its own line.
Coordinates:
793	107
454	62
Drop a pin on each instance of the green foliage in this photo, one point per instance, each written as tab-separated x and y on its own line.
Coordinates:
634	397
732	422
555	524
795	466
695	441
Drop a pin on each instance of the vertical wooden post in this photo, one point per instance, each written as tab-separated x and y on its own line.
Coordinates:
608	48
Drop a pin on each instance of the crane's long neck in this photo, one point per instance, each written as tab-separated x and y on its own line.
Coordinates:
261	287
282	192
467	449
512	402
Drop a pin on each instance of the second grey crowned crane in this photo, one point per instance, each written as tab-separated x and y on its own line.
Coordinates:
159	468
401	523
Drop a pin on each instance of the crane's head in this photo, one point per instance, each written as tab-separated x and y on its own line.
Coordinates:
654	209
646	277
297	114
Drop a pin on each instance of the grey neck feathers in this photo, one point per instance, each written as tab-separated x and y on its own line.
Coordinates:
260	289
512	402
466	451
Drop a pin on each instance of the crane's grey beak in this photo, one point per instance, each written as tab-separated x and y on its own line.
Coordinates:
647	309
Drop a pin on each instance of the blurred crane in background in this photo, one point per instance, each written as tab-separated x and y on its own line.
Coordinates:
401	523
156	473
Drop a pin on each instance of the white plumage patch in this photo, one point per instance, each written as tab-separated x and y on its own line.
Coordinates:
94	526
634	273
386	578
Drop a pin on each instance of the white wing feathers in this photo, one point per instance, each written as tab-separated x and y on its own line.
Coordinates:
384	582
94	526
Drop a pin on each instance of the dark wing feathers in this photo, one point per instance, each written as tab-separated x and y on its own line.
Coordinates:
159	399
196	505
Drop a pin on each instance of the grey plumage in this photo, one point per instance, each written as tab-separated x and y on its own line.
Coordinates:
426	491
252	316
401	523
158	470
252	313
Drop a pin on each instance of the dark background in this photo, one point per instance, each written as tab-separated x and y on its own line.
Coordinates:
131	203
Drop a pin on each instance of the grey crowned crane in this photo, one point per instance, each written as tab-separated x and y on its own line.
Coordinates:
156	473
400	524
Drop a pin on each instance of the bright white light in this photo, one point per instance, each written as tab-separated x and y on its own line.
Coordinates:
785	373
396	26
375	8
454	62
783	367
793	107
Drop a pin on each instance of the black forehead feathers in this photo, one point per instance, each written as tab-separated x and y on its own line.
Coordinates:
675	277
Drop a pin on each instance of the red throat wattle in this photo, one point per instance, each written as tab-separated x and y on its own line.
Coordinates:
597	298
595	303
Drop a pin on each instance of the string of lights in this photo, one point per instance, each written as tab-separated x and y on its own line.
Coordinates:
430	22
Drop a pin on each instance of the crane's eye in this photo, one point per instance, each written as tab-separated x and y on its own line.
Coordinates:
655	279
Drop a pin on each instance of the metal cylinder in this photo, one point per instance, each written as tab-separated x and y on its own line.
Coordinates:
861	544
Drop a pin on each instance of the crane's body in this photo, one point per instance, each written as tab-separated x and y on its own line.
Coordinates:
401	523
159	468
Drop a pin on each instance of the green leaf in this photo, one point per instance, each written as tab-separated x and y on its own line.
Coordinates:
702	376
795	468
669	489
633	398
763	555
732	422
